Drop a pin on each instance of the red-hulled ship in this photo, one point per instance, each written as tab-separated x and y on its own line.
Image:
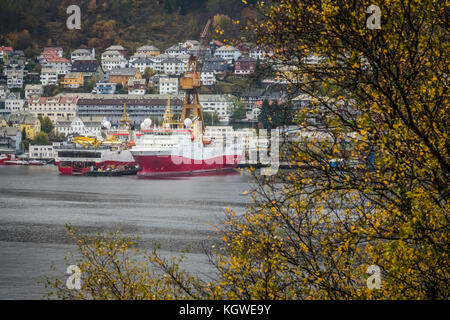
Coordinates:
4	158
75	160
169	151
87	154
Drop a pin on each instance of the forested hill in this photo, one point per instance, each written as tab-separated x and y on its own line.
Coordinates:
31	24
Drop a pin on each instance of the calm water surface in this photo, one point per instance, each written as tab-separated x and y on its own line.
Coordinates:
36	203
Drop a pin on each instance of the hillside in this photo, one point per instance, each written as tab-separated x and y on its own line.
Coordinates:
30	24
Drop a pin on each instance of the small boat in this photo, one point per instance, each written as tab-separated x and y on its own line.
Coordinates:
13	162
4	158
36	163
112	173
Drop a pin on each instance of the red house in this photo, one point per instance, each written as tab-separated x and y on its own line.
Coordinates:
244	66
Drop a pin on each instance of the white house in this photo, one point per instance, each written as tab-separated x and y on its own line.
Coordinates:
208	77
113	59
41	152
82	53
62	65
113	63
142	64
168	85
104	88
49	76
87	127
13	102
176	50
137	89
258	54
228	53
217	103
173	66
14	79
33	90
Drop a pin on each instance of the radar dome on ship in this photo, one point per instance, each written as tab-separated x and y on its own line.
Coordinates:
187	123
146	124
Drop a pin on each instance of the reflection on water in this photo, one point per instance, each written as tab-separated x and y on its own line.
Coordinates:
36	203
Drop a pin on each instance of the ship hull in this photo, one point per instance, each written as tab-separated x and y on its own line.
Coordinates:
154	165
75	166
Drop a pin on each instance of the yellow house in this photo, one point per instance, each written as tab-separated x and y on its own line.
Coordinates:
73	80
123	75
21	121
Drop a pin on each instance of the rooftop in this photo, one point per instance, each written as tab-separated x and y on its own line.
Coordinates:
148	48
123	72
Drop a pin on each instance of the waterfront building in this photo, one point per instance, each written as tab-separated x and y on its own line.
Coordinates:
41	152
53	107
76	126
138	107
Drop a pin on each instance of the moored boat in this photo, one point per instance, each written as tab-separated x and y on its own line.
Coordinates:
171	151
13	162
35	163
4	158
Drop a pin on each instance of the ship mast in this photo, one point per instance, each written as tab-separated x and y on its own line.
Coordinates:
192	81
125	120
168	116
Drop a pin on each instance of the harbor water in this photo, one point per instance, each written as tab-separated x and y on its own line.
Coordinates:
36	203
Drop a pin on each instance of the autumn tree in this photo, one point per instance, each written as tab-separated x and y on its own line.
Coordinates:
372	183
238	109
372	152
41	138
